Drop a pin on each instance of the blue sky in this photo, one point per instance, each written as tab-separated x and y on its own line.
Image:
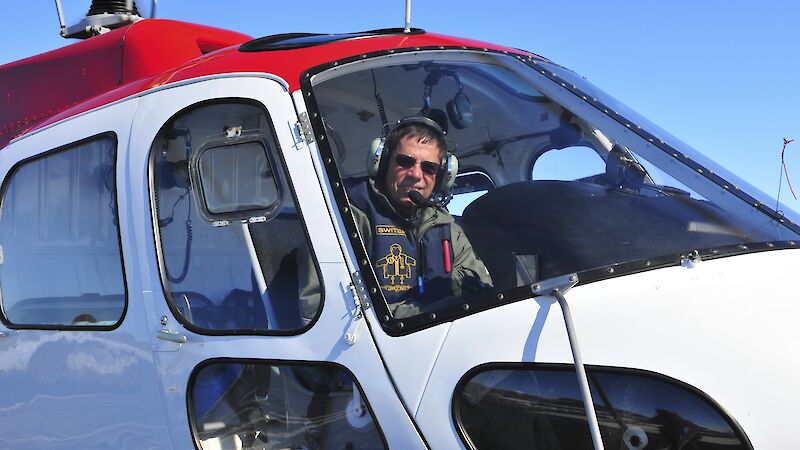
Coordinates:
720	75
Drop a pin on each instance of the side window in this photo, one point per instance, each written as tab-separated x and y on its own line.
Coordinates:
568	164
468	187
233	248
60	264
237	405
520	407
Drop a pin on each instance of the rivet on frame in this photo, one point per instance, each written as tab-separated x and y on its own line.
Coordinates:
770	244
308	94
500	297
400	325
328	160
627	125
391	51
714	251
465	307
584	97
345	209
725	187
485	49
373	291
792	243
363	55
432	316
699	170
385	318
321	137
563	85
364	262
610	270
743	247
337	184
647	263
650	140
354	235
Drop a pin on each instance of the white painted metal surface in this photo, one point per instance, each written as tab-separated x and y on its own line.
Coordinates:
723	327
82	389
325	340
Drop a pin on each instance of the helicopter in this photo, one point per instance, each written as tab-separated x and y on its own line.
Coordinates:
188	193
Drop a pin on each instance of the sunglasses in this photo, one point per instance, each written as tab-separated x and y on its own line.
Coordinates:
406	162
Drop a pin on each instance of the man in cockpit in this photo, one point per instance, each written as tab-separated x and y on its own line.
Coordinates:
420	255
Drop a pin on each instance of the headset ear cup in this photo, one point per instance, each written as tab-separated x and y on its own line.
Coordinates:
447	174
374	156
459	110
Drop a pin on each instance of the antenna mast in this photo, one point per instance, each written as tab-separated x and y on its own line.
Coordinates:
408	17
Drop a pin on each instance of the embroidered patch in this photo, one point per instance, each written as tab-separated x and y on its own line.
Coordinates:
397	269
389	230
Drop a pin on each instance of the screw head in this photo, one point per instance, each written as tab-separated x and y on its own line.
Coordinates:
164	320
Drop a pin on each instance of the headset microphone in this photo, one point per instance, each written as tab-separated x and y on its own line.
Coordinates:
419	200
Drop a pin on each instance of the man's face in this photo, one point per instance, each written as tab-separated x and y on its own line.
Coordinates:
403	177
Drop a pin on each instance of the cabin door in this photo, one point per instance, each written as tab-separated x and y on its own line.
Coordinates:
253	322
76	366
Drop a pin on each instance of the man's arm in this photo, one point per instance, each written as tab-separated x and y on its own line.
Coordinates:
469	273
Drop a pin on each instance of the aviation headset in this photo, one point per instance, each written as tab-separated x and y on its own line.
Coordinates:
378	156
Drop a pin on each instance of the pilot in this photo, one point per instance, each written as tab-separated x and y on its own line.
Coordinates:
419	254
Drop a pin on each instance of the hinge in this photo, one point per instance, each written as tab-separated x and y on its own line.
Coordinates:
361	303
305	127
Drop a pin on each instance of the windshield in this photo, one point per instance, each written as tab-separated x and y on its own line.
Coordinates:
551	180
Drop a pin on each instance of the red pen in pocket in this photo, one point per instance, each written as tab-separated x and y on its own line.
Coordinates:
446	249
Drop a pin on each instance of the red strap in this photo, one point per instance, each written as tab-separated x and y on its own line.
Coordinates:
448	267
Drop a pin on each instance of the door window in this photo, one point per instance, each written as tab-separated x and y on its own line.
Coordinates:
515	406
233	247
257	404
60	263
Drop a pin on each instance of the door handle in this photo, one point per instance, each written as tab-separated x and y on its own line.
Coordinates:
172	336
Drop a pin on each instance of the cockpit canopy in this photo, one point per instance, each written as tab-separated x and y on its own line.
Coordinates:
555	176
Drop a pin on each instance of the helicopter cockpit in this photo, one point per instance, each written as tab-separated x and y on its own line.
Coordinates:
555	177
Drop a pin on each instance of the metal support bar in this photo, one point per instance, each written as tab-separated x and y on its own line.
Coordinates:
408	17
61	22
583	381
272	318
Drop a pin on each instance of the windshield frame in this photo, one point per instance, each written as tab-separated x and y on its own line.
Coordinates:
368	283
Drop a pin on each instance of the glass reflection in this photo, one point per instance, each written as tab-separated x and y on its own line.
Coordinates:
542	409
264	406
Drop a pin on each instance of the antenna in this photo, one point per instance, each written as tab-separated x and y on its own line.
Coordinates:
408	17
784	170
